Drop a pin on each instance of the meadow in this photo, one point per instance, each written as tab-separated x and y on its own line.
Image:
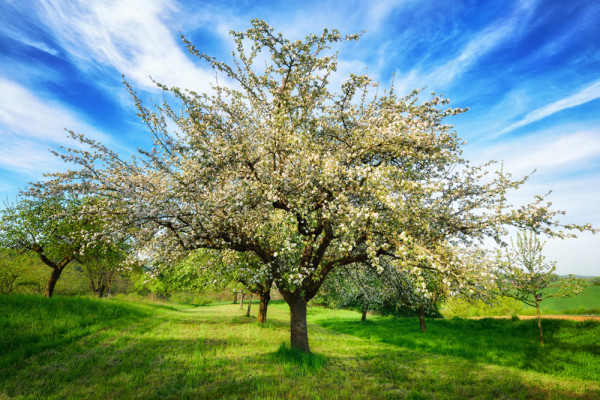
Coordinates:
585	303
80	347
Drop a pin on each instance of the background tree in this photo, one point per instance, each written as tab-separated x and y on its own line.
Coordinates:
102	264
52	227
357	286
421	293
528	275
305	177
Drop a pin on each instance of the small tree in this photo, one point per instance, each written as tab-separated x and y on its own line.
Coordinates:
528	275
421	293
356	286
52	227
101	267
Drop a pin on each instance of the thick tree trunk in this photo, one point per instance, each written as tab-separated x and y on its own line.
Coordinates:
364	313
234	297
422	319
249	305
298	329
262	309
52	281
539	319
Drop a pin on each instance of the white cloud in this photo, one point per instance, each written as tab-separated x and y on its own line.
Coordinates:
546	151
584	95
134	37
29	125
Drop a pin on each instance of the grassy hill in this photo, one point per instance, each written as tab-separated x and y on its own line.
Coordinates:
586	300
102	349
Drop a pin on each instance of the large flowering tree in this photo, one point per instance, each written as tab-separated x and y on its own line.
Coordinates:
306	177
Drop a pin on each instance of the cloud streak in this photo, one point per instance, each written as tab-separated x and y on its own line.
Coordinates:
130	36
29	125
482	43
588	93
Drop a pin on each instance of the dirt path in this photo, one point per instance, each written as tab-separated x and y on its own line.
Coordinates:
571	317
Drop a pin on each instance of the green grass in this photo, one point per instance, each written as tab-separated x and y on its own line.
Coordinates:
571	350
588	299
587	302
111	349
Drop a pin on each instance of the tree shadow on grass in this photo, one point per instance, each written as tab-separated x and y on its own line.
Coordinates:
207	366
501	342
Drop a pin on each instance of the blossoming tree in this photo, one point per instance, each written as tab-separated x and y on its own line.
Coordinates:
528	275
306	177
55	229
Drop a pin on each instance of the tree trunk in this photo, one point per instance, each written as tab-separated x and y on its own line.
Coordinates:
422	319
262	309
298	329
234	297
242	301
110	285
52	281
249	305
101	290
364	313
539	318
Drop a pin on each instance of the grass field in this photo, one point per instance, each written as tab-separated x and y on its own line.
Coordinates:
588	299
107	349
586	303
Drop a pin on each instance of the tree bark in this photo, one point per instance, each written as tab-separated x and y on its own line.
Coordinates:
262	309
298	329
242	301
110	285
422	319
539	320
249	305
52	281
234	297
364	313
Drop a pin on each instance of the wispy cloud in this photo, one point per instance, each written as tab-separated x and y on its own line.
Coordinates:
584	95
479	45
130	36
549	151
29	125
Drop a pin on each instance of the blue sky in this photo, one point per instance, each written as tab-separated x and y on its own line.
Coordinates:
529	72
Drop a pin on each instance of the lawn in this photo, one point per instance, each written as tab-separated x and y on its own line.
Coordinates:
103	349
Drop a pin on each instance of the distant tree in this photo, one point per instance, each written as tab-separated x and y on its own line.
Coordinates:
422	292
307	177
357	286
53	228
595	281
102	265
12	267
528	275
241	272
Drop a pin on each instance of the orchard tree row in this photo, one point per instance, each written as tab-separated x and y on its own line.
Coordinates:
290	180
